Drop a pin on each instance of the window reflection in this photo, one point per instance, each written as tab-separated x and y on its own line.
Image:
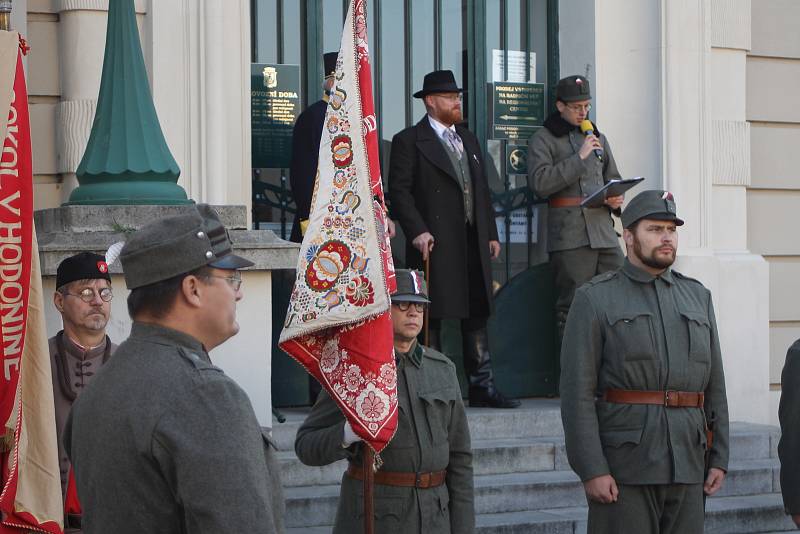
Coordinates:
423	45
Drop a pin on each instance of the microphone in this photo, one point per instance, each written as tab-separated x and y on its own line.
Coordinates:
587	128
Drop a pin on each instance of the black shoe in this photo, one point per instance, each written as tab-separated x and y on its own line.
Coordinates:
491	399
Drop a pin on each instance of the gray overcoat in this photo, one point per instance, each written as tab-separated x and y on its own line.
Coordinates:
164	442
556	170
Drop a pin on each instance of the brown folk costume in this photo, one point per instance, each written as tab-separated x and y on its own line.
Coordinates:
73	368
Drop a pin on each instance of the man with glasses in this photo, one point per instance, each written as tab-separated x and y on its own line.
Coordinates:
425	482
440	195
83	298
565	166
163	440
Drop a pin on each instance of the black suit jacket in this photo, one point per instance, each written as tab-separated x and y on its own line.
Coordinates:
426	196
305	154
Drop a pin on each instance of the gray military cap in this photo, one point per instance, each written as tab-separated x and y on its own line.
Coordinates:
411	287
573	89
175	245
652	204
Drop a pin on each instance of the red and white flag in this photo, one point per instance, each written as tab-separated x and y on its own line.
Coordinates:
338	325
30	499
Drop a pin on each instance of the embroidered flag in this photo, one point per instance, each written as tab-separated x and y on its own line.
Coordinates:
30	499
338	325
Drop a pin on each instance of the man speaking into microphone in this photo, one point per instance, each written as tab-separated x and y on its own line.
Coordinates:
568	160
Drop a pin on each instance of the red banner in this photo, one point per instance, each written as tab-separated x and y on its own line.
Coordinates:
16	249
338	325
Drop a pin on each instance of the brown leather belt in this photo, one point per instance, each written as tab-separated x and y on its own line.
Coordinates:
402	479
670	398
565	202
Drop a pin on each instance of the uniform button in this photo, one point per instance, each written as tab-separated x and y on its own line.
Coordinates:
209	254
200	234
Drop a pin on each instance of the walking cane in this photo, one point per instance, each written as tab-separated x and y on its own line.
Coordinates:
425	325
369	485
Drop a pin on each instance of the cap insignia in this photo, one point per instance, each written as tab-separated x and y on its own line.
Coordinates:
102	267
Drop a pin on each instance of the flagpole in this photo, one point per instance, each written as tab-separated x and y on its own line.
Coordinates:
369	487
5	15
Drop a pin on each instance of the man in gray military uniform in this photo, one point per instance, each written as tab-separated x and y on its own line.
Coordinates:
83	298
425	482
163	441
789	446
641	382
564	166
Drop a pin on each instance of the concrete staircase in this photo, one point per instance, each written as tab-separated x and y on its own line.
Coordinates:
523	483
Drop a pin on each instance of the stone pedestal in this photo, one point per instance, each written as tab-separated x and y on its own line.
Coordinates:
247	356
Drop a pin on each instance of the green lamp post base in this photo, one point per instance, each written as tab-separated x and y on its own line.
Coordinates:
131	192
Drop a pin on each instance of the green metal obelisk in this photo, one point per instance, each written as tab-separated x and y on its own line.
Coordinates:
127	160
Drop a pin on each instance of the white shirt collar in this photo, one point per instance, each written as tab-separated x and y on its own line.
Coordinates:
439	128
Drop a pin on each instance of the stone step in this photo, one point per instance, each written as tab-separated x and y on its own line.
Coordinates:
541	418
516	455
498	456
520	492
729	515
536	418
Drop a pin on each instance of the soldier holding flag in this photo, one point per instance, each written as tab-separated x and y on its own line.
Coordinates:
425	483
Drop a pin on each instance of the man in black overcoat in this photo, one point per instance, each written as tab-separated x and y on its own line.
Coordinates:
440	196
305	150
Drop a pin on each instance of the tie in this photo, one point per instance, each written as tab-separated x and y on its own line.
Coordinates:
455	142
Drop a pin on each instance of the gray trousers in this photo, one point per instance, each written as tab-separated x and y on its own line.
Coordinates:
654	509
574	267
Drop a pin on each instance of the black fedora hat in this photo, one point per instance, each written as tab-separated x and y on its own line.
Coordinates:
438	81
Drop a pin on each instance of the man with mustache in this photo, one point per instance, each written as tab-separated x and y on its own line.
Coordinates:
83	298
641	384
424	485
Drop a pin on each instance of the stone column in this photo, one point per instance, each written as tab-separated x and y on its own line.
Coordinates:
200	57
706	164
670	95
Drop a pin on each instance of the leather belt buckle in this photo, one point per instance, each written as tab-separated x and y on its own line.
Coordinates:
672	398
419	480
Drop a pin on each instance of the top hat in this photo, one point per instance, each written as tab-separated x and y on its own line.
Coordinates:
438	81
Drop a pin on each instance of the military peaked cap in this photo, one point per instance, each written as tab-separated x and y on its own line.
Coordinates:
652	204
573	89
176	245
411	287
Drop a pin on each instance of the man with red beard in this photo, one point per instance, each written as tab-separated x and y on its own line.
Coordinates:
440	195
642	384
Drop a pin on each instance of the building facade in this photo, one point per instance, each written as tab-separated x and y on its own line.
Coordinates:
693	94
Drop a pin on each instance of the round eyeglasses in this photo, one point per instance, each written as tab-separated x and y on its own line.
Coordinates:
585	107
405	305
87	294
